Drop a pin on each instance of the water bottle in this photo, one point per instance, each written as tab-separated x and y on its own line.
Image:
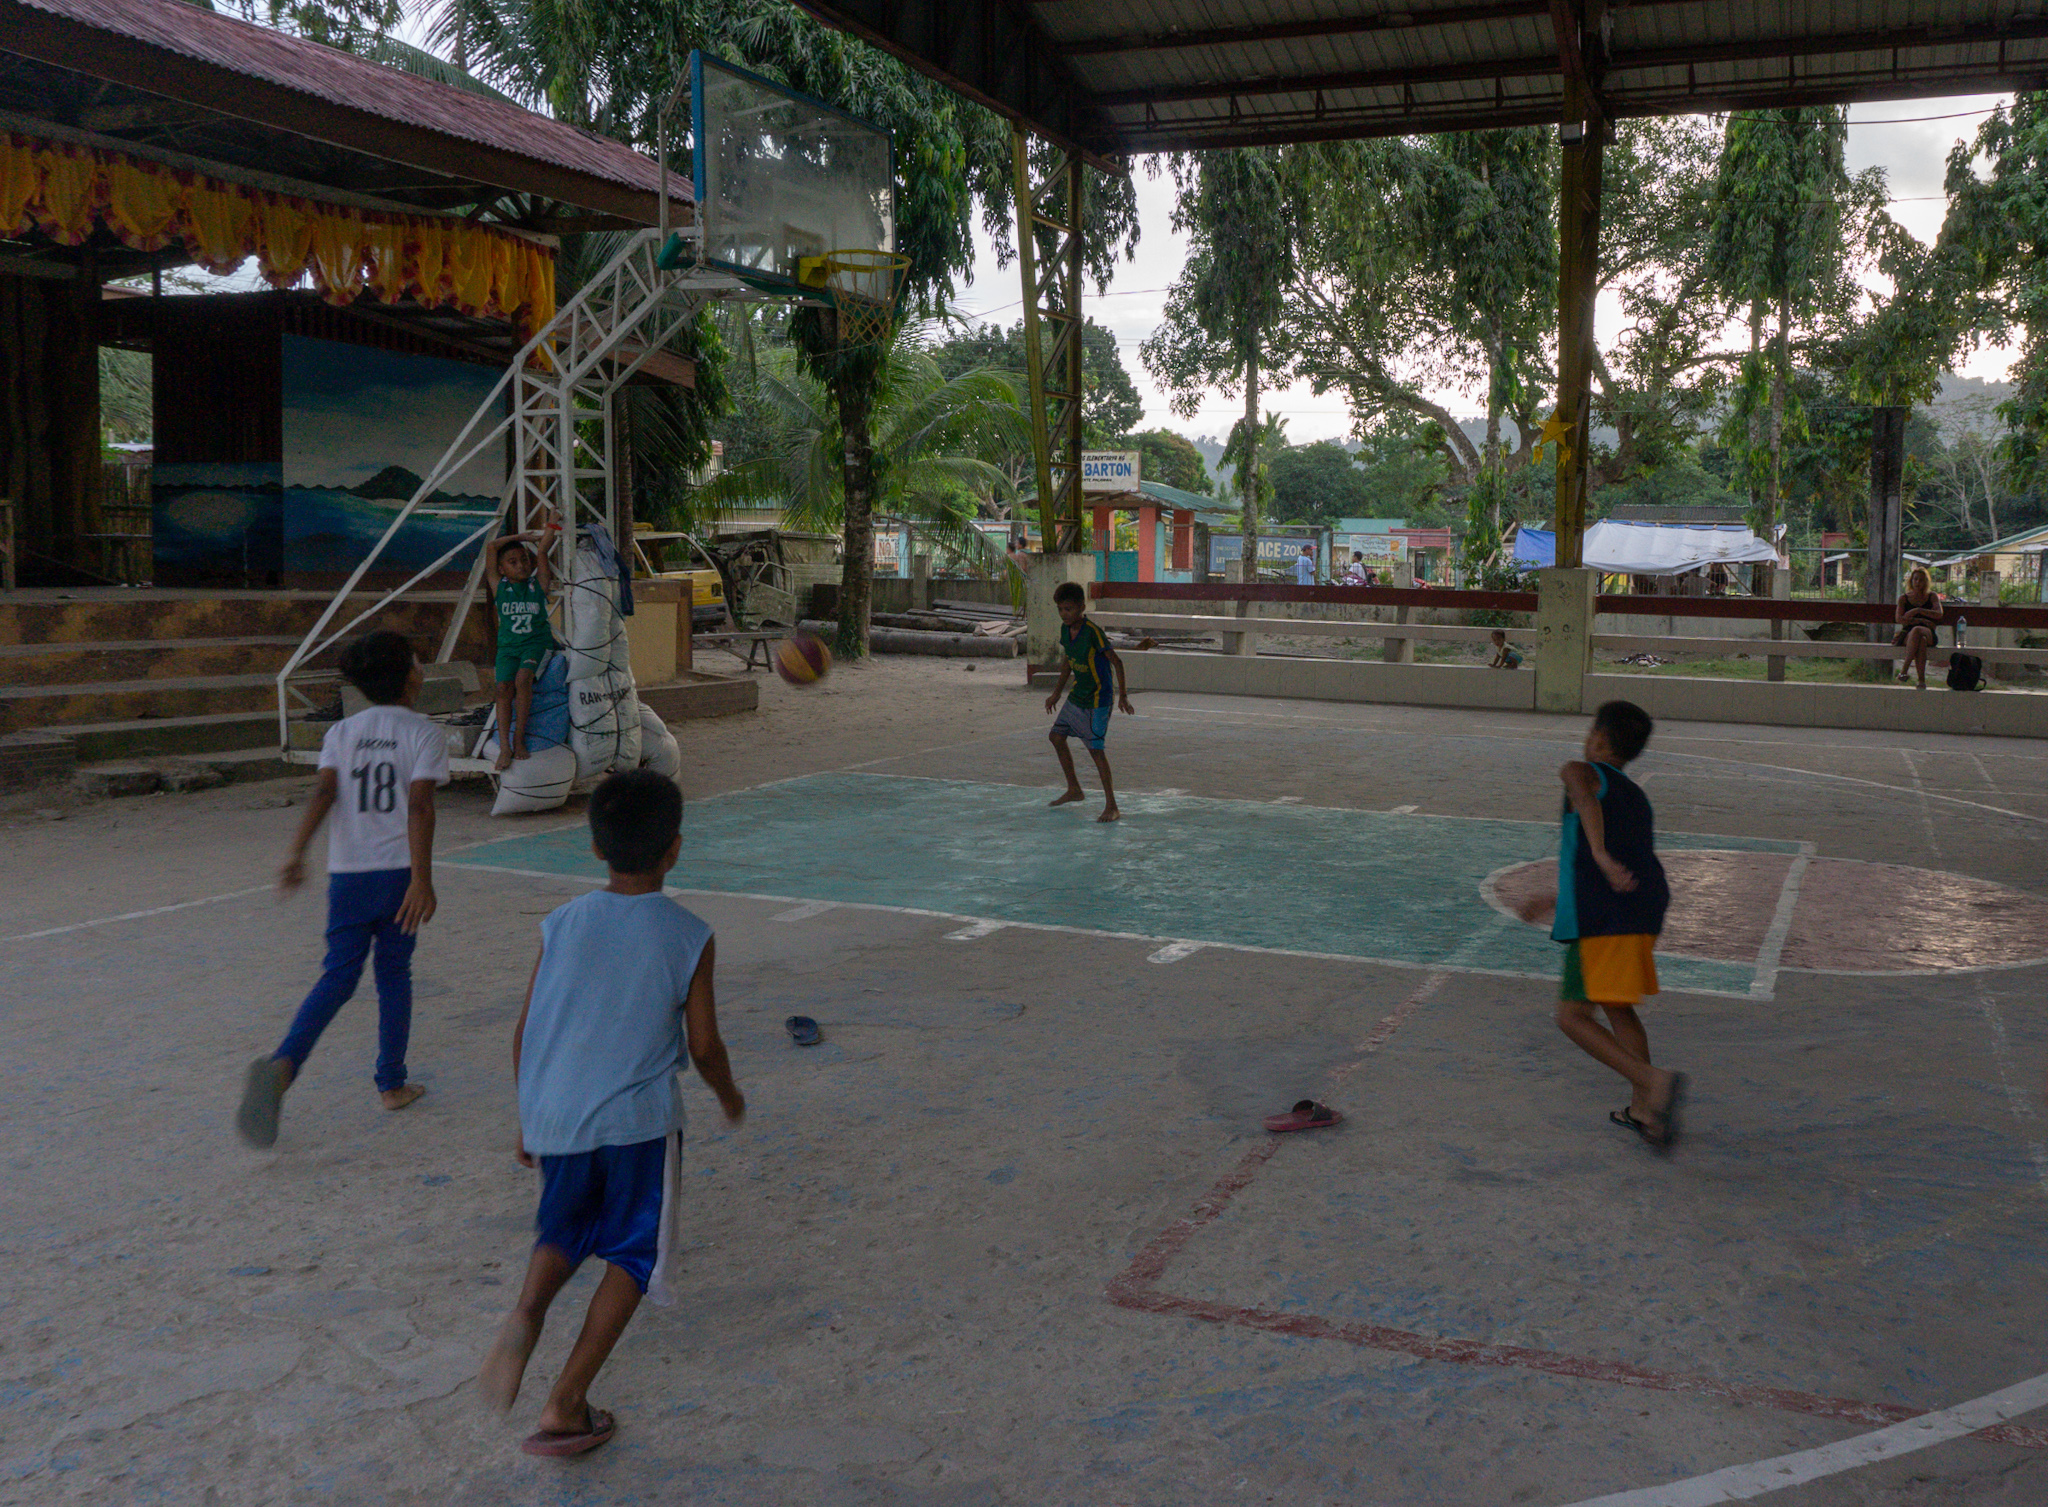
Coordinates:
1962	631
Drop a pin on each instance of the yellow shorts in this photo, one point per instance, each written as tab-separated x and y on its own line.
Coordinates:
1609	970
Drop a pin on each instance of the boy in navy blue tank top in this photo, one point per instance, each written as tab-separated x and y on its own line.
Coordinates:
621	998
1610	904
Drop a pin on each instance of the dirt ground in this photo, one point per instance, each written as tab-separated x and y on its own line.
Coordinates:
1013	1233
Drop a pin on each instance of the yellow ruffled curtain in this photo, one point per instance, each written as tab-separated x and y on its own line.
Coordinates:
64	189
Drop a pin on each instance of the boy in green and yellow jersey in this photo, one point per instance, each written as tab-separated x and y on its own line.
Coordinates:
520	581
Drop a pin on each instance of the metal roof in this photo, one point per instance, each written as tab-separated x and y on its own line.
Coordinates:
1158	75
166	74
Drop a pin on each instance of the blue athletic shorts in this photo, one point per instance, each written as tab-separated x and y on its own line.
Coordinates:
1088	723
606	1203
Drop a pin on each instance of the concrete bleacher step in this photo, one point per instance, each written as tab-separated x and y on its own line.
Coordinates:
155	737
58	707
141	659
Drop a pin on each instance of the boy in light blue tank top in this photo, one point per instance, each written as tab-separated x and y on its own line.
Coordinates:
621	993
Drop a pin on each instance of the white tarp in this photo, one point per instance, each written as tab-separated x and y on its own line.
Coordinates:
1668	549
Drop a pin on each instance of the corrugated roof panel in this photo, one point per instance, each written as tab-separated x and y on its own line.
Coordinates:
324	73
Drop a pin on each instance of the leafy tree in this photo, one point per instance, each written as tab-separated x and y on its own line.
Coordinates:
1786	213
1249	454
1317	484
937	441
1112	405
1426	264
1993	250
1164	456
1237	209
1403	472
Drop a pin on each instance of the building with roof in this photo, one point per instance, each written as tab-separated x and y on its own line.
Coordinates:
391	214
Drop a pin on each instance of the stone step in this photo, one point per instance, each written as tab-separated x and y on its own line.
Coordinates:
154	737
177	773
60	706
112	616
143	659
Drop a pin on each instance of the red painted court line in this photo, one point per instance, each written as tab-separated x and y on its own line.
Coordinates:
1135	1289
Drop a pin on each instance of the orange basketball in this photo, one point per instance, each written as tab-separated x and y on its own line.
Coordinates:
803	659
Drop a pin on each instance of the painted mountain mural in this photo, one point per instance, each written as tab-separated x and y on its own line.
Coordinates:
362	427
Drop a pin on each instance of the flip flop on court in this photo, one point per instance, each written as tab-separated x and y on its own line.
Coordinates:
580	1442
1306	1115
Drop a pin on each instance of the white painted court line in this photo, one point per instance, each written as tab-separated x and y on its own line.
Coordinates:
1173	952
1741	1483
2017	1099
975	932
1401	810
1765	984
137	915
1406	965
805	911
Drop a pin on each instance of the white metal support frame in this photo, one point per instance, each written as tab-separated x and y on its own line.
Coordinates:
555	401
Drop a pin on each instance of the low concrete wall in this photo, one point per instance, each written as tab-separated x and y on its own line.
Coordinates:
1331	680
1319	612
1793	703
2006	714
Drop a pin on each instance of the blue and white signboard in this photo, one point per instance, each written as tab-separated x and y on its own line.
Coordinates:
1109	470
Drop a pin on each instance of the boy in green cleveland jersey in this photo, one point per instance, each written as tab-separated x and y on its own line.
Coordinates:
1089	662
520	581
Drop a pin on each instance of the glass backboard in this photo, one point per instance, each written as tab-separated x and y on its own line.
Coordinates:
781	177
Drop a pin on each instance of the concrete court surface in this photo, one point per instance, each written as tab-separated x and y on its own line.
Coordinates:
1012	1234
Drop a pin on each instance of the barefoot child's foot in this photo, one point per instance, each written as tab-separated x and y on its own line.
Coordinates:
519	752
504	760
1110	814
1068	798
398	1098
505	1364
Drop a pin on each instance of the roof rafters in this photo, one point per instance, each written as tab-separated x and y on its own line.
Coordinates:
1285	31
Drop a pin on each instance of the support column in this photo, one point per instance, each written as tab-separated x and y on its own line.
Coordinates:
1043	575
1564	644
1887	480
1781	590
1148	544
1581	135
1049	259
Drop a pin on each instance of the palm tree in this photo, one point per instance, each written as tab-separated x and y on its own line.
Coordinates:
938	444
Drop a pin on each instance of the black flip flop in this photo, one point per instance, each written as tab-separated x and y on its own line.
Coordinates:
803	1030
1628	1121
1306	1115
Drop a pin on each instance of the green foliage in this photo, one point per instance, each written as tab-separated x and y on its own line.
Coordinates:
1994	245
1428	264
1318	484
126	391
1250	451
1112	405
1164	456
938	443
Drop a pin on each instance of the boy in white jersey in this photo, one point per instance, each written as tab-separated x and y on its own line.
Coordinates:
620	998
378	770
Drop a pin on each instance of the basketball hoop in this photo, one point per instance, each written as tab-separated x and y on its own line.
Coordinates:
866	287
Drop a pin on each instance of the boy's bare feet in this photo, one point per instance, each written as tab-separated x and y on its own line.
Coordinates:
398	1098
505	1363
1110	814
1068	799
262	1094
519	752
504	760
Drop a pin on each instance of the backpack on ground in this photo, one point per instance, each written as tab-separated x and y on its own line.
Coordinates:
1965	672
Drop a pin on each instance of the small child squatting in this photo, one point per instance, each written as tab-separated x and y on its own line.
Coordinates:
1505	655
1086	659
378	770
621	996
1610	903
519	603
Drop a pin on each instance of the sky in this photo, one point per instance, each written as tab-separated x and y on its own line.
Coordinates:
1914	156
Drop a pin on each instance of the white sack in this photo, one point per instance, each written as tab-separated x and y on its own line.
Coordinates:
596	633
659	750
539	782
602	711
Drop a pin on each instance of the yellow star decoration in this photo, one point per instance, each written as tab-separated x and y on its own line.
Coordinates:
1556	431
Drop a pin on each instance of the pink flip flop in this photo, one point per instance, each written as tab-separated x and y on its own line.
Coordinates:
559	1446
1307	1115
